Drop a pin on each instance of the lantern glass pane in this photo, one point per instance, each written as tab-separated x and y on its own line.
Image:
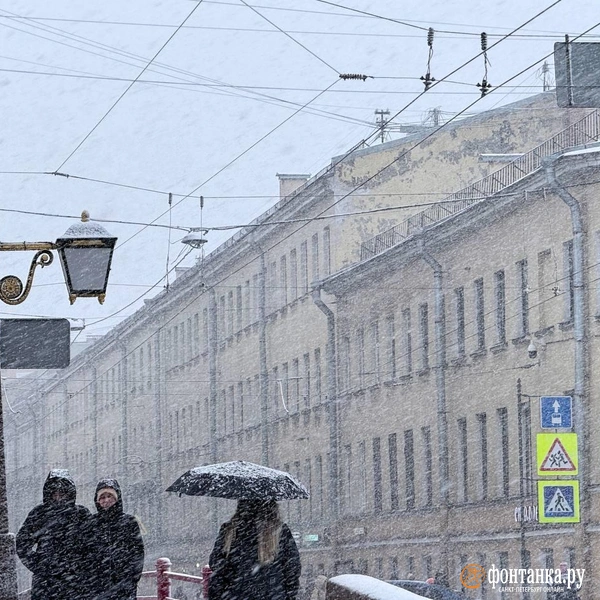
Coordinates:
88	268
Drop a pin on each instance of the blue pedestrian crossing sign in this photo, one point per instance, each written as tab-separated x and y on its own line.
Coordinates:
558	501
556	412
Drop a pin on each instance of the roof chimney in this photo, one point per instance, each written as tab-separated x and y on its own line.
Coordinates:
290	182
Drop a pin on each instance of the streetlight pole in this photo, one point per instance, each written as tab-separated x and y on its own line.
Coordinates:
86	254
8	565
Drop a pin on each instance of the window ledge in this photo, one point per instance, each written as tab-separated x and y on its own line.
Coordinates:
478	353
424	371
566	325
498	348
540	333
521	340
459	361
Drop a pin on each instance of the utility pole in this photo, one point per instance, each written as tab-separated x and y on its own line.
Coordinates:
382	123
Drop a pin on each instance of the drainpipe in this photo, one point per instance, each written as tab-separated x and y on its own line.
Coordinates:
262	359
580	406
440	379
333	408
212	373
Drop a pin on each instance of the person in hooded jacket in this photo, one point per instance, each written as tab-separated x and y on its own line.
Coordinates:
117	558
52	541
255	556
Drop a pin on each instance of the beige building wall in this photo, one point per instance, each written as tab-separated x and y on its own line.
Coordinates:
231	363
508	260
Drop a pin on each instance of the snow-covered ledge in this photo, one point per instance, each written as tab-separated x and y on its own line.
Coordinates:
363	587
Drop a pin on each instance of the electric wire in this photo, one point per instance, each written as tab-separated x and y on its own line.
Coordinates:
128	88
295	231
289	36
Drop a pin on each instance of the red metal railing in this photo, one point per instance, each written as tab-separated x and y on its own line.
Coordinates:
164	576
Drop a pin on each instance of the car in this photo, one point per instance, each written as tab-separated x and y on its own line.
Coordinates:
427	590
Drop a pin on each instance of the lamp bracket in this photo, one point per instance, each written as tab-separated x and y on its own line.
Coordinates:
11	287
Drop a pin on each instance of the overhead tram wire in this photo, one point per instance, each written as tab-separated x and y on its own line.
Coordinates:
289	36
242	91
195	298
238	156
549	35
329	207
128	88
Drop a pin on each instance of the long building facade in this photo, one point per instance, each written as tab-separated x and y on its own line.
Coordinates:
372	345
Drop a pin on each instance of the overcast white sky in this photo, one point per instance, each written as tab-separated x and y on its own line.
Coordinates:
195	126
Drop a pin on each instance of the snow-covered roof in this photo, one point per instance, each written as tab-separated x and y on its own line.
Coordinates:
372	587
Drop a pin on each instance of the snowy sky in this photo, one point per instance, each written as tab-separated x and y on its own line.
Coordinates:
193	122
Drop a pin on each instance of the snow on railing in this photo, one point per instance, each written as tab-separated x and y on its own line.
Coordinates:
582	132
164	575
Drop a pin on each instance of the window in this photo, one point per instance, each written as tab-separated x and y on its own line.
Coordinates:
283	282
391	337
205	329
375	366
479	314
362	474
295	383
546	283
377	500
306	380
309	485
428	465
459	298
315	257
239	313
276	391
523	298
196	335
247	303
255	297
463	454
409	468
500	293
318	390
293	274
424	335
360	349
406	342
222	333
326	251
346	480
393	456
483	455
303	268
240	410
568	274
345	360
285	382
319	484
232	415
503	426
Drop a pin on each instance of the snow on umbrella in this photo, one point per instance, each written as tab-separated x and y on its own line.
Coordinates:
239	480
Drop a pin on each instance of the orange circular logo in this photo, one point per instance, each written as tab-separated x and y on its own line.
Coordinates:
472	576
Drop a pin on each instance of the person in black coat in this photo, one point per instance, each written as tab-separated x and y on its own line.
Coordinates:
52	541
255	556
117	557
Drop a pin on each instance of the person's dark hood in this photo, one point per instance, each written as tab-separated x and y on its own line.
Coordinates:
116	508
59	479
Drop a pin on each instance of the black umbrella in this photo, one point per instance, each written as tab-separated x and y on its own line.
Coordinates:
239	480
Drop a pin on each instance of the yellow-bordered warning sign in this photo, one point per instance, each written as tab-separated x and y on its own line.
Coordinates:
558	501
557	454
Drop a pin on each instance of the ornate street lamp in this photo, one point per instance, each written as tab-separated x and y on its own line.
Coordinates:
86	253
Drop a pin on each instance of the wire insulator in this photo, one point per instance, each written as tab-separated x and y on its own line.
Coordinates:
346	76
430	34
483	41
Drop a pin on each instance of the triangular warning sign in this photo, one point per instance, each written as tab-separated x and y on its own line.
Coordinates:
557	460
558	504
